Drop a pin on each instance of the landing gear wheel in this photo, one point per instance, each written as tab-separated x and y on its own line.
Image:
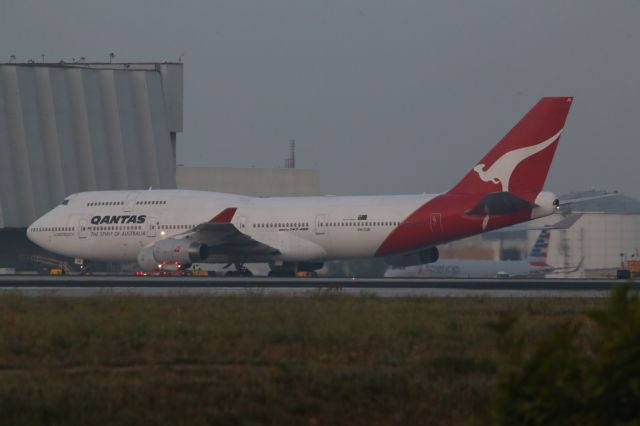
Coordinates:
242	272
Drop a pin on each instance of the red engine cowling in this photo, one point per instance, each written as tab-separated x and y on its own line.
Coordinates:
171	250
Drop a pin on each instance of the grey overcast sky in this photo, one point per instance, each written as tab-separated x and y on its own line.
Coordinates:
381	96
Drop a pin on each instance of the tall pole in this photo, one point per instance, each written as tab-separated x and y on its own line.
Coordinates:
292	154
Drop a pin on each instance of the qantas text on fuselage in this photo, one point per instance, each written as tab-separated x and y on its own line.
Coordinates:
115	219
298	233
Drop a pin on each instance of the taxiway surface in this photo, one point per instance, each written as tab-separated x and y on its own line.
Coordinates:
384	287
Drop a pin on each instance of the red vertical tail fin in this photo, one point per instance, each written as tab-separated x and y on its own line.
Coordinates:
519	163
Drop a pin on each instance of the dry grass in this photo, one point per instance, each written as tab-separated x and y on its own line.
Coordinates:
255	359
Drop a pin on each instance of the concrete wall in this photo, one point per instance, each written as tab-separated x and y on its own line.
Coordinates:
250	181
66	128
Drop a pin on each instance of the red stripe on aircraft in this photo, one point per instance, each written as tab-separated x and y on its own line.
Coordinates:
538	263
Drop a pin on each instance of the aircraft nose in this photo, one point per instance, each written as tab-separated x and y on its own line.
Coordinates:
30	231
33	233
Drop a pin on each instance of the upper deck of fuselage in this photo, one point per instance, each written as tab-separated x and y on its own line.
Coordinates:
172	196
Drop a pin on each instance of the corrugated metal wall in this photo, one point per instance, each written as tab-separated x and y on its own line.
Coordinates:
66	128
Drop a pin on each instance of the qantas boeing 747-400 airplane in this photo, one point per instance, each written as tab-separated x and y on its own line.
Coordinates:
300	233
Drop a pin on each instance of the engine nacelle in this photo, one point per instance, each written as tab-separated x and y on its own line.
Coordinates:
428	255
171	250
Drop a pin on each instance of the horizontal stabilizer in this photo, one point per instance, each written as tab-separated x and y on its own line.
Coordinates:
497	203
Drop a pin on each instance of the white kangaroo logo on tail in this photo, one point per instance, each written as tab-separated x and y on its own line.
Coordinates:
501	170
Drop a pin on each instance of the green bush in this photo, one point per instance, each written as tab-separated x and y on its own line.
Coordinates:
570	376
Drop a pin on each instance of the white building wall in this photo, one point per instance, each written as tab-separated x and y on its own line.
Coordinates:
598	238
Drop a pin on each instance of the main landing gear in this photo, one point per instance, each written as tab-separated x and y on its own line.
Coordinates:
280	272
240	271
295	269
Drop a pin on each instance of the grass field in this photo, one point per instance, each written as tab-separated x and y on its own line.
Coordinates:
243	360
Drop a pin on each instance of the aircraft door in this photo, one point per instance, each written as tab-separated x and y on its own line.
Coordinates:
321	224
83	232
242	224
152	226
436	222
129	202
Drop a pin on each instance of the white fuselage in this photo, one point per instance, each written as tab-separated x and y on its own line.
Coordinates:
116	225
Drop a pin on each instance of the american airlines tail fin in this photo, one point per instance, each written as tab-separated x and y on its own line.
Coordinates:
538	254
519	163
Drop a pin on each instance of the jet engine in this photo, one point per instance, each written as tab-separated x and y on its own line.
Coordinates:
428	255
171	250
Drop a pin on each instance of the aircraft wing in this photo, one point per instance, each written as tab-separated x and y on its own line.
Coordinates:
223	238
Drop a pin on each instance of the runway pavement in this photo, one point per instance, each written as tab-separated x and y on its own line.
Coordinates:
384	287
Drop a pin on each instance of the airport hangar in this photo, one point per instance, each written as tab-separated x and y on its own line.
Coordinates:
71	127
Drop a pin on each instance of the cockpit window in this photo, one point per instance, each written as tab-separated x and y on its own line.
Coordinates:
65	202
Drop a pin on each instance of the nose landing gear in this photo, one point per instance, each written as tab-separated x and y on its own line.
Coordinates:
85	269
